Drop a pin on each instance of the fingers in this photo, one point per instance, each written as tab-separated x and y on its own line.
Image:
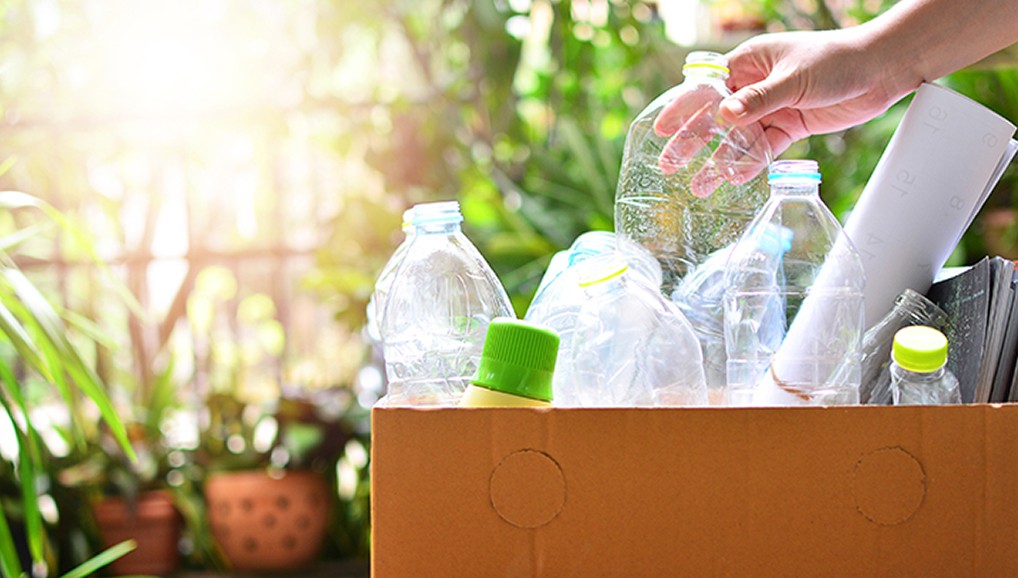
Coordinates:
755	101
742	155
682	108
695	134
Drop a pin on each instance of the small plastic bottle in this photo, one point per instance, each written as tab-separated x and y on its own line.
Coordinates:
376	305
689	183
918	372
443	296
516	367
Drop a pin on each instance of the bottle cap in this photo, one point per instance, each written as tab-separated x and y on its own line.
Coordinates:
441	212
920	349
518	358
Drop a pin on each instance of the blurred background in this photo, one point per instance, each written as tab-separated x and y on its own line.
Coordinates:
222	180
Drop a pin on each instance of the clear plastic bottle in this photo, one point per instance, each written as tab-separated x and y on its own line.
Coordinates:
376	305
625	345
918	372
910	308
699	296
689	182
794	320
443	296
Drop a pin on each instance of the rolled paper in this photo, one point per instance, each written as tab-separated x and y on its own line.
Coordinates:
939	168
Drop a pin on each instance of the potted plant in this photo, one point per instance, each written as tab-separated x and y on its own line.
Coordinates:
268	491
130	498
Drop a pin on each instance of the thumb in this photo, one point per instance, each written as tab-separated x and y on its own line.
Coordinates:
755	101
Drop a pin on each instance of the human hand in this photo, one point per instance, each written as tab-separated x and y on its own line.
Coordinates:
796	84
692	121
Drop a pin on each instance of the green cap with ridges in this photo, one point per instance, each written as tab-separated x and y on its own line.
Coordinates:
518	359
920	349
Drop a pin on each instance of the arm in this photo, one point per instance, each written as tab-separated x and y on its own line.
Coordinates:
802	83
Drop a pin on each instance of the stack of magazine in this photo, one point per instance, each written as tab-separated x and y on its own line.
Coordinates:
982	307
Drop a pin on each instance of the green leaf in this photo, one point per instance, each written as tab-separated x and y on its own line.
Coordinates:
60	353
29	500
9	564
106	557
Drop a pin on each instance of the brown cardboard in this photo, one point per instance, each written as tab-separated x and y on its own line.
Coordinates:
847	491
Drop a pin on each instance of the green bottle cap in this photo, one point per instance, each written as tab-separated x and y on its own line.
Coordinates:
518	359
920	349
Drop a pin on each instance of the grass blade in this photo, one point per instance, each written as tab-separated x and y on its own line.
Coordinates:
105	557
9	563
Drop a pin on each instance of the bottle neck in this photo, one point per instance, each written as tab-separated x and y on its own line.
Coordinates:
920	376
795	188
704	75
437	228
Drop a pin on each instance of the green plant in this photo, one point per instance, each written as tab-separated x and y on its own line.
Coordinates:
37	349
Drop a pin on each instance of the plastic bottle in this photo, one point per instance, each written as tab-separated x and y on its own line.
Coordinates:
516	367
443	296
559	282
794	320
688	189
625	344
699	296
918	372
376	305
910	308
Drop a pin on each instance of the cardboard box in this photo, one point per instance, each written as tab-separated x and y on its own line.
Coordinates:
845	491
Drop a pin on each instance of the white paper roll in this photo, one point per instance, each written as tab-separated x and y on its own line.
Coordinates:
940	166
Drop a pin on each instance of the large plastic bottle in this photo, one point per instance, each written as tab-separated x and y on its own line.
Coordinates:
625	344
689	182
811	294
376	305
918	372
443	296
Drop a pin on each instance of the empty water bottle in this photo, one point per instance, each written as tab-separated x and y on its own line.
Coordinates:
624	344
918	372
811	294
689	182
376	305
443	296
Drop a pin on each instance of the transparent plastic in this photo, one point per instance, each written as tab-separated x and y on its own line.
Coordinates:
700	295
916	388
443	296
910	308
689	183
623	344
794	320
376	305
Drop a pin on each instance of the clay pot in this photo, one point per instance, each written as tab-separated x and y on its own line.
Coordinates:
154	525
268	523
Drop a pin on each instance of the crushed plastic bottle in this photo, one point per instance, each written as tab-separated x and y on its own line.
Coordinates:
443	296
623	344
918	372
689	183
794	320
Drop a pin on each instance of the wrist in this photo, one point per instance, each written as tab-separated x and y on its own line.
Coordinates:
897	59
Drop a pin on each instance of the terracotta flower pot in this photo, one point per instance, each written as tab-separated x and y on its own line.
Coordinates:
267	523
155	526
